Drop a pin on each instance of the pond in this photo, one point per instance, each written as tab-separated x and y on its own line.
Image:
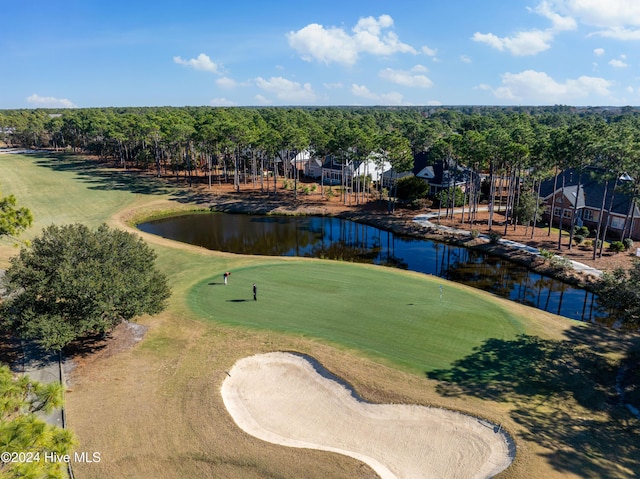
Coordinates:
335	238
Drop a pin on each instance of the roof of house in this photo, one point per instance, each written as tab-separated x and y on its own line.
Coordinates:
439	172
591	190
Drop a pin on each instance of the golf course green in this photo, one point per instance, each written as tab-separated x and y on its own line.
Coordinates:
398	316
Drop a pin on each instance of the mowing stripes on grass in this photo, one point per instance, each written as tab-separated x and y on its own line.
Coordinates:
59	190
380	311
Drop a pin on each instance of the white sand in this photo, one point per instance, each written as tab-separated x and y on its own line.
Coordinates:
291	400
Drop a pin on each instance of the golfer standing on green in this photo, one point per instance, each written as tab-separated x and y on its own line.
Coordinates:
255	292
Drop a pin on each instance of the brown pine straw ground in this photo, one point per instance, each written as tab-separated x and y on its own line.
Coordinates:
251	198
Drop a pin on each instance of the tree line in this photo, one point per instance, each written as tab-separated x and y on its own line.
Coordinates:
513	149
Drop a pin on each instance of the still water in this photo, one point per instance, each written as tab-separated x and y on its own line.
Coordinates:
335	238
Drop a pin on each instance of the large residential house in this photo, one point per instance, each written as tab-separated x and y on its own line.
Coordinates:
589	202
307	164
333	169
440	174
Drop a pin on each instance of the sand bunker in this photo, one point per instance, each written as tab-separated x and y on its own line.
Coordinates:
290	399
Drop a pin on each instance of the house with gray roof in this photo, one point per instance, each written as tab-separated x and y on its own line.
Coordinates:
622	213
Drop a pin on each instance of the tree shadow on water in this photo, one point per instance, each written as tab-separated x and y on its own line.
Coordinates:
563	394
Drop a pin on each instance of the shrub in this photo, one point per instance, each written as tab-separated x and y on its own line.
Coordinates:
587	244
411	188
628	244
546	254
420	203
578	239
581	230
561	262
475	234
616	246
494	237
415	204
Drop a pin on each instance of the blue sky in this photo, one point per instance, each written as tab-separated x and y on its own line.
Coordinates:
89	53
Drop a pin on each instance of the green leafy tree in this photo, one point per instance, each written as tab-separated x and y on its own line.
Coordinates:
529	209
21	431
412	188
13	220
452	196
73	281
619	295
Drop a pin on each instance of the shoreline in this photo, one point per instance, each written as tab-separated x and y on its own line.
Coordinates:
406	226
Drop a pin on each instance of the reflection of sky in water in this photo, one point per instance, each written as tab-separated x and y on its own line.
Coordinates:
334	238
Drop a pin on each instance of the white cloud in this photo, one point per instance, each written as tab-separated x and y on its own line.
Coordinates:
405	78
618	63
226	82
539	88
203	62
362	91
522	44
49	102
609	13
419	69
620	33
222	102
430	52
598	52
465	59
391	98
534	41
262	100
287	90
559	22
327	45
619	19
332	86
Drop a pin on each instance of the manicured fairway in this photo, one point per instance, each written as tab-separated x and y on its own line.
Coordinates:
383	312
57	190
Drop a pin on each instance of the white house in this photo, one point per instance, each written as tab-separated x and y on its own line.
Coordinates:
332	170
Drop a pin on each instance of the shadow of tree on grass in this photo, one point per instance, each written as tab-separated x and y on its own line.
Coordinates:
563	394
98	176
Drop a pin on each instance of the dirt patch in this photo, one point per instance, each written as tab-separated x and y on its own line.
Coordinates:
95	348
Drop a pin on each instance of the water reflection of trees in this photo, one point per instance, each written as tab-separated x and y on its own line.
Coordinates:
510	281
339	250
334	238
